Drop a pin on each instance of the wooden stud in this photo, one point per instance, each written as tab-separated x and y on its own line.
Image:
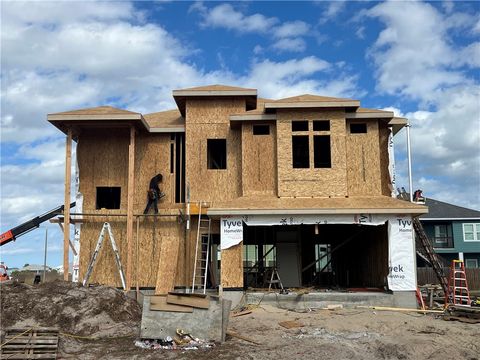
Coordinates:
131	192
66	210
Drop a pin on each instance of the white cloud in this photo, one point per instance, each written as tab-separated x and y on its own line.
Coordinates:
287	35
292	29
416	58
333	9
290	44
225	16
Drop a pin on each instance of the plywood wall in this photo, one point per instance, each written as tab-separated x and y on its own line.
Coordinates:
383	133
231	273
363	160
103	161
311	182
209	119
259	161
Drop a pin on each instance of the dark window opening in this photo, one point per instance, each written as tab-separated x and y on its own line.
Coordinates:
172	156
180	168
216	153
300	152
321	125
261	129
299	125
108	197
321	151
358	128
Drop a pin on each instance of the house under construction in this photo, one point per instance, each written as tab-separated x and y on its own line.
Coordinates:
301	186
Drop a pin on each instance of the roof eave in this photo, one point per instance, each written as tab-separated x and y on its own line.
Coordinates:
218	212
312	104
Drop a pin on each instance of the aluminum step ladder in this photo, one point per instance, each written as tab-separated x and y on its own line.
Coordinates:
202	253
93	260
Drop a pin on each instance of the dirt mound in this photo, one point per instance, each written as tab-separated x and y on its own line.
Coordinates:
94	311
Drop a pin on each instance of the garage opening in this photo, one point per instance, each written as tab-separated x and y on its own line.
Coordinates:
323	256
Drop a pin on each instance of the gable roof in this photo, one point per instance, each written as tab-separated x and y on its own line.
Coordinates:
441	210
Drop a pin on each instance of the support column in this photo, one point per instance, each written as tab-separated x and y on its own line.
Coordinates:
130	193
66	210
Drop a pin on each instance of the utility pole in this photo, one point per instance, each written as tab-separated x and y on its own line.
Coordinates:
45	256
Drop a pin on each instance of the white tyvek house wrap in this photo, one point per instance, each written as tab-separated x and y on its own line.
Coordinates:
401	254
391	162
401	246
77	226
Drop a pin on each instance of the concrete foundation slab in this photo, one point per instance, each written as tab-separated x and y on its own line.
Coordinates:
320	299
204	324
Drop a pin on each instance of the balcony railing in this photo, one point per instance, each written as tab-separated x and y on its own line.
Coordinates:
443	242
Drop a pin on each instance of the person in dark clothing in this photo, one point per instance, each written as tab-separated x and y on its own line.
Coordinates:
154	193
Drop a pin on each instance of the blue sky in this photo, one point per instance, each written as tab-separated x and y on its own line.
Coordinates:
419	59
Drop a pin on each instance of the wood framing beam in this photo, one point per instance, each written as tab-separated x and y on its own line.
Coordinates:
66	211
130	193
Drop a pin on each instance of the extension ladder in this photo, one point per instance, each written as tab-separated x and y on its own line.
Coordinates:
106	226
457	293
426	244
202	253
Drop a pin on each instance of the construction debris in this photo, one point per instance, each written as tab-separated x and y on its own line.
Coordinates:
463	313
30	344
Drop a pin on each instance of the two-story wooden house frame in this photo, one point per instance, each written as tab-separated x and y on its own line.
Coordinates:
300	184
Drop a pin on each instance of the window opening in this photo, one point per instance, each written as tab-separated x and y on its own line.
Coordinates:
321	125
300	152
108	197
299	125
358	128
321	151
261	129
217	153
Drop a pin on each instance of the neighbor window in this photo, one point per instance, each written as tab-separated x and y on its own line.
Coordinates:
321	125
321	151
358	128
442	233
299	125
300	152
471	263
261	129
217	153
471	232
108	197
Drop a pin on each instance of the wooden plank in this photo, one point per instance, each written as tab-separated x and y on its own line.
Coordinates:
31	356
159	303
193	301
241	313
290	324
238	336
29	340
66	212
167	265
130	193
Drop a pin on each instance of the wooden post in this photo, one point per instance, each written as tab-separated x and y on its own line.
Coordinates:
66	210
130	193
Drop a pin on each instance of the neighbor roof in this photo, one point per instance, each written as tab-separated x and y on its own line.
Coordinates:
445	211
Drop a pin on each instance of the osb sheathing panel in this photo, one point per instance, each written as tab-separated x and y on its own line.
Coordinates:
209	119
311	182
231	273
103	161
363	160
383	133
259	161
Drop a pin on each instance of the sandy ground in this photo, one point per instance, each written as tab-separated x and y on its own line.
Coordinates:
338	334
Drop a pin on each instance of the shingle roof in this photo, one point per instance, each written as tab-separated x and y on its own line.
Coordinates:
99	110
216	88
442	210
165	119
310	98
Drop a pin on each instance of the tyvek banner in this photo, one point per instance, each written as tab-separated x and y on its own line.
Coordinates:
391	162
231	231
77	226
270	220
401	252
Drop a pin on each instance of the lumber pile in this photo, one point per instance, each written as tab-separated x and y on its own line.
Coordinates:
463	313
